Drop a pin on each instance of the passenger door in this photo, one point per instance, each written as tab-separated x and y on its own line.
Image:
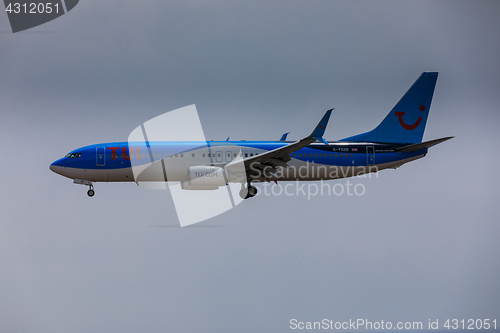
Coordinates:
100	155
370	155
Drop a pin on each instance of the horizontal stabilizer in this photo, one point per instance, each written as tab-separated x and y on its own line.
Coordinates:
423	145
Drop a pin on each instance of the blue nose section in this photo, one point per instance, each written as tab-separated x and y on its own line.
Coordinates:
56	165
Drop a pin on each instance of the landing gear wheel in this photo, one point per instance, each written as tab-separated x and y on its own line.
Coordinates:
91	192
252	190
248	192
244	193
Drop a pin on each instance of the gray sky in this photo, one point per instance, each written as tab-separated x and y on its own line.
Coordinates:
422	243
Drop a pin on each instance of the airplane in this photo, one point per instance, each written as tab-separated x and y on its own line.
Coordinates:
209	165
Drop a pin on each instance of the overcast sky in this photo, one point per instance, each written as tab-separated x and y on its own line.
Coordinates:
420	244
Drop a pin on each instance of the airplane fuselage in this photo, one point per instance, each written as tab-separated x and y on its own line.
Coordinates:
112	162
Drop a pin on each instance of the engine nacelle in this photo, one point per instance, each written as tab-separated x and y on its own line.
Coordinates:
204	177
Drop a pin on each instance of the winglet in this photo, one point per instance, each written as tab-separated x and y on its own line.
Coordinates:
320	129
283	137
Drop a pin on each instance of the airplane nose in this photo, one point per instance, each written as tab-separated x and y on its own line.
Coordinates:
56	167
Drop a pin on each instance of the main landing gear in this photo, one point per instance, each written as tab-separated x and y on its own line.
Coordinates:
248	192
91	191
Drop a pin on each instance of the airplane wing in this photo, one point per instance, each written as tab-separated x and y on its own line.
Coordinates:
280	156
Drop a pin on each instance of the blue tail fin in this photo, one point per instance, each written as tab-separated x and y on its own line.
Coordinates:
406	121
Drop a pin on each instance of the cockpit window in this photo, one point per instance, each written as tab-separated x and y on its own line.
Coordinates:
74	155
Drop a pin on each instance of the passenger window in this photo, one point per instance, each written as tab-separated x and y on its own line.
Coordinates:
234	155
246	154
182	155
192	155
251	155
336	155
351	154
203	155
175	155
341	155
320	155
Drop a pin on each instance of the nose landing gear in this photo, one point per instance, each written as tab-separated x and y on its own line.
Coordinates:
91	191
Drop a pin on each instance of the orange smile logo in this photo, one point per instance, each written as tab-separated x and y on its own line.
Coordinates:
400	115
